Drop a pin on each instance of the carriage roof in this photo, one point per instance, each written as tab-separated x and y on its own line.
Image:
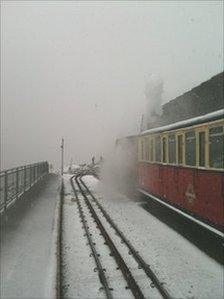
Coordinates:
212	116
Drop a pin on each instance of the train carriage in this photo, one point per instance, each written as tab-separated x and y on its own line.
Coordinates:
182	165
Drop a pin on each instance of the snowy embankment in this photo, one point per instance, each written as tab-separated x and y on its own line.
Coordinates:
186	271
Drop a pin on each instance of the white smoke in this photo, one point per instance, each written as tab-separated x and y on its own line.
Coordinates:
153	95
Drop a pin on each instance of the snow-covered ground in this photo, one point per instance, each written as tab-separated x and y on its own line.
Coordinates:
26	245
186	271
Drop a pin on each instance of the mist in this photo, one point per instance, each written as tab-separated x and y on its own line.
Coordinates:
79	70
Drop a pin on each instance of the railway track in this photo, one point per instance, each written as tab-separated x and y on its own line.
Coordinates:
89	206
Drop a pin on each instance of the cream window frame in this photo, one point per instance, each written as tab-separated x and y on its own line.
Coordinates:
164	137
214	125
200	130
180	133
176	147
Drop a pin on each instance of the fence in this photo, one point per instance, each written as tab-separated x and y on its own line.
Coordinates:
14	182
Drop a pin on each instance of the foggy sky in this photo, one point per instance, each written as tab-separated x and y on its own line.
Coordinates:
79	69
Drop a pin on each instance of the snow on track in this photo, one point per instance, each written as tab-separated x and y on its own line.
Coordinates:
79	280
186	271
78	277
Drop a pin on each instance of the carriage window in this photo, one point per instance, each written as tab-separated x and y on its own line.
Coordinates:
158	149
147	148
180	149
164	150
190	152
172	149
151	150
202	149
216	147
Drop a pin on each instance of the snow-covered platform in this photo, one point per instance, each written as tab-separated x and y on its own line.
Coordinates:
185	270
26	243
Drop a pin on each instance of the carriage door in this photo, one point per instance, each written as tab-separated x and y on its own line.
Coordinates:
165	170
202	158
180	158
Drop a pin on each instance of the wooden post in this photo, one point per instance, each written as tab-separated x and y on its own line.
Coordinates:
62	156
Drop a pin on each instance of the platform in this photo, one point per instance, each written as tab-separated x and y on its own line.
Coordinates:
26	243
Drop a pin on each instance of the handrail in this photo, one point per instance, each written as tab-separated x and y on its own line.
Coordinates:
21	167
16	181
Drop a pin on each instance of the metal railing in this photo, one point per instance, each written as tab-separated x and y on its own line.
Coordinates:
14	182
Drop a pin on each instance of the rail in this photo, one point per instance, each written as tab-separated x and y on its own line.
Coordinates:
132	284
15	182
142	264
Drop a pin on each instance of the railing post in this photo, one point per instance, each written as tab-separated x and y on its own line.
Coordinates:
5	191
17	183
